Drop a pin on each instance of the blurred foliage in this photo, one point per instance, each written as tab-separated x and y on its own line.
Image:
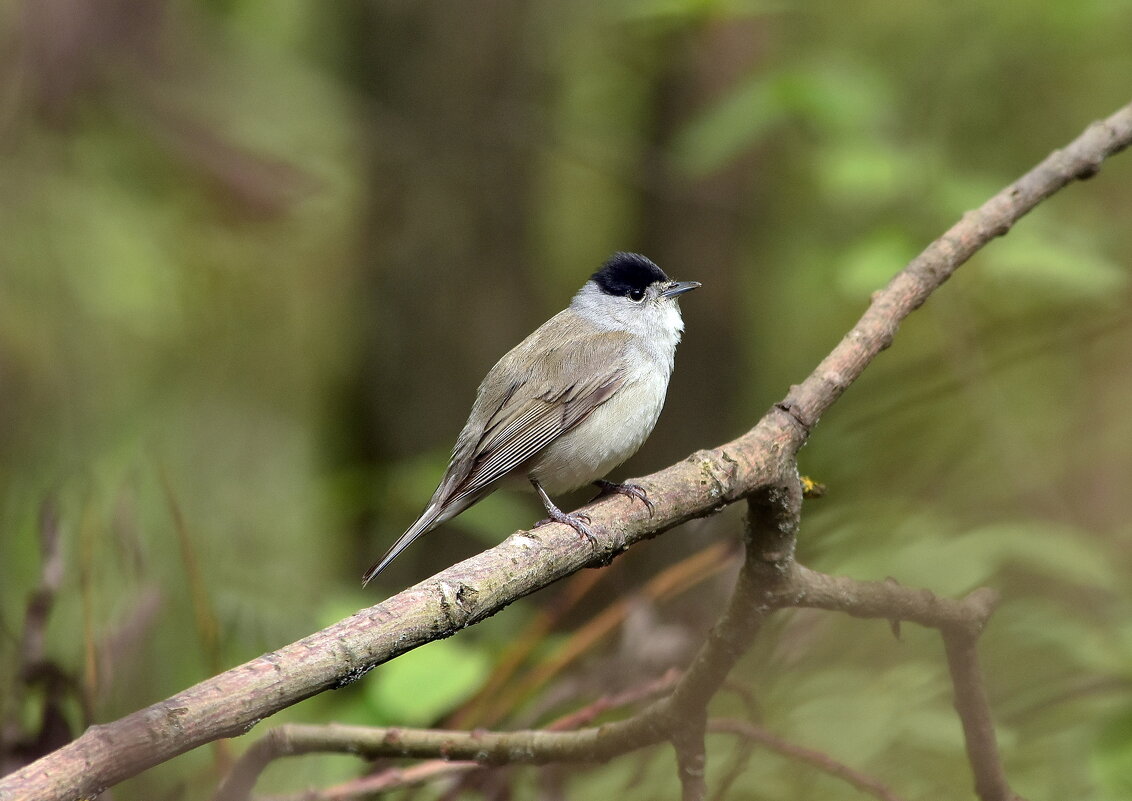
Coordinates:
256	257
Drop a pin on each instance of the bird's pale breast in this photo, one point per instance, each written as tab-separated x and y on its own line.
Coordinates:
611	434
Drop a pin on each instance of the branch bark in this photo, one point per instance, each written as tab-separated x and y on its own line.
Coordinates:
769	581
233	702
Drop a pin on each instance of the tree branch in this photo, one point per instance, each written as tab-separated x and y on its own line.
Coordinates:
767	582
816	759
232	702
974	711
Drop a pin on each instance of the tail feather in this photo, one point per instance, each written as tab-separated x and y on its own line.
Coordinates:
430	518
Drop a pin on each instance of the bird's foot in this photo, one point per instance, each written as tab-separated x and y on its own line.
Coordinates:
632	490
575	520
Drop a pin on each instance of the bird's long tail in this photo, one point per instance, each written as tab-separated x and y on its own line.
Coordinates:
429	519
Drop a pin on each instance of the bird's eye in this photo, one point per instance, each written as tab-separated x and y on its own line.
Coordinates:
636	295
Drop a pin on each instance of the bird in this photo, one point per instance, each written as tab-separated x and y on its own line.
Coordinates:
570	402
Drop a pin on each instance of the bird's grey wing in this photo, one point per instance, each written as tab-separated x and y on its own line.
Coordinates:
529	409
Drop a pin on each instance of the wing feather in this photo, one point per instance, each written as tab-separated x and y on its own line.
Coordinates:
522	408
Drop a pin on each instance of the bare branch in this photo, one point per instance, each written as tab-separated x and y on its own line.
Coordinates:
691	756
817	759
888	600
974	711
296	740
766	584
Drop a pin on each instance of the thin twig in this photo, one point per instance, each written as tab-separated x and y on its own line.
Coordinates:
366	741
483	709
669	582
974	711
822	761
393	779
606	703
690	744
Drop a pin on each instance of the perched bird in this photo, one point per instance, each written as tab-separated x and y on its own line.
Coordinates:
571	401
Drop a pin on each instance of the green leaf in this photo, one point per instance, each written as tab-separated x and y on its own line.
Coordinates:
419	686
737	122
870	263
1062	552
839	99
1049	270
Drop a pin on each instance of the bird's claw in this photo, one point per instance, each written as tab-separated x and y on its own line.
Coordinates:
577	521
631	490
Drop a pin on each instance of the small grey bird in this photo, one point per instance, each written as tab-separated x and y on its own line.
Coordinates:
570	402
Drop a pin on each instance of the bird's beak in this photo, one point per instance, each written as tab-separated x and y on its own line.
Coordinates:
679	288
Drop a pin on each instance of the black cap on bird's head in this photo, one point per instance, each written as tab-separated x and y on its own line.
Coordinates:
627	273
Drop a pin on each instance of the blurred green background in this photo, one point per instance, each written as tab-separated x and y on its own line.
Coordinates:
256	256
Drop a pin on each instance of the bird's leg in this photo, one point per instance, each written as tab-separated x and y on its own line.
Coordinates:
575	521
632	490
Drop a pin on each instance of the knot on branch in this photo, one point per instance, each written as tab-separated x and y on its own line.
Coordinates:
459	603
717	470
795	412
